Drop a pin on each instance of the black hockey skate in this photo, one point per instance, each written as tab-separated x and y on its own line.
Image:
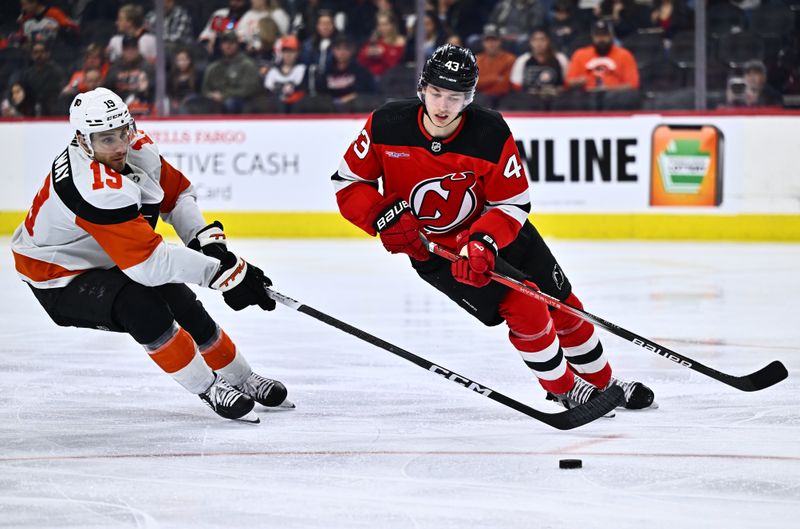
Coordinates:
637	395
229	403
581	393
265	391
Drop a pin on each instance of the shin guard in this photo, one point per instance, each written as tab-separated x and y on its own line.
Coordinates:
221	355
532	333
174	352
582	347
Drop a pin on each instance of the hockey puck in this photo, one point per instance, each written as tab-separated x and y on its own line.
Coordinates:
570	463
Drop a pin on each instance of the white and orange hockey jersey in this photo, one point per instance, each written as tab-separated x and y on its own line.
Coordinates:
88	216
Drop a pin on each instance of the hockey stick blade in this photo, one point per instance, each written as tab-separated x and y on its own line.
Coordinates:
511	277
767	376
565	420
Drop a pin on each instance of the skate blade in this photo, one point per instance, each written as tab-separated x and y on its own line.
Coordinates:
653	406
550	397
250	418
286	405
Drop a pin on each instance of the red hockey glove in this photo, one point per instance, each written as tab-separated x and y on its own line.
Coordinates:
532	285
210	241
480	251
399	228
242	284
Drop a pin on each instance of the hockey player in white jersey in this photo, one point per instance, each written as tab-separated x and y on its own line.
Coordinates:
89	253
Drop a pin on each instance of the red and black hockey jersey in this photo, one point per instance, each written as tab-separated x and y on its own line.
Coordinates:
472	179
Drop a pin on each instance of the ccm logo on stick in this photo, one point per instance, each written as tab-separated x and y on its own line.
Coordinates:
662	353
458	379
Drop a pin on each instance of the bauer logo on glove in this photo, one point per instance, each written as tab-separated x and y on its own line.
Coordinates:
391	215
398	227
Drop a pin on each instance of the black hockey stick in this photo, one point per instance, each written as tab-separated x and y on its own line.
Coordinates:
565	420
765	377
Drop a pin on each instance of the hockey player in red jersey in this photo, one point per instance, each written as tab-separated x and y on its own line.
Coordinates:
89	253
451	170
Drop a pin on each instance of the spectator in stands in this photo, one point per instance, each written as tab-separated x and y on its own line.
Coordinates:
41	23
303	15
759	93
267	36
183	81
540	71
132	78
360	20
18	103
435	36
130	23
786	71
93	60
626	16
466	18
177	24
671	16
494	65
93	78
603	65
222	20
385	48
735	93
287	80
515	18
96	11
565	26
454	39
316	50
344	78
232	80
398	8
44	80
249	28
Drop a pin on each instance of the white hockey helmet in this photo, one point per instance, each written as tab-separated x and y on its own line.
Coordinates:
96	111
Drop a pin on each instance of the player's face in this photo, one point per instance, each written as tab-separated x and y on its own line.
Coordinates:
111	147
443	105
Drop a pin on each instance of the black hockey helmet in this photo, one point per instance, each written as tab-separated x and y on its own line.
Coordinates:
452	68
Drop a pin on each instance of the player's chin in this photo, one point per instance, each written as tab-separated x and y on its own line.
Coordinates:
118	164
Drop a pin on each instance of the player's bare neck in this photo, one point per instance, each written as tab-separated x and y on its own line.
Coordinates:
440	132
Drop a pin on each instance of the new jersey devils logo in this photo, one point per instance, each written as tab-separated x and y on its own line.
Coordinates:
443	203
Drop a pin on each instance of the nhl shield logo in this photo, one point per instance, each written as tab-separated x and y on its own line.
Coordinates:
436	146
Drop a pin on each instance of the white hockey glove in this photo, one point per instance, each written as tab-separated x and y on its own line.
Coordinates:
242	284
211	241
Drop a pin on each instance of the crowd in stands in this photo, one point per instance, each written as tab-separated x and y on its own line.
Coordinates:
316	56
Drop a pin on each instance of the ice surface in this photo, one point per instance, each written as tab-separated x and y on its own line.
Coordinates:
94	436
